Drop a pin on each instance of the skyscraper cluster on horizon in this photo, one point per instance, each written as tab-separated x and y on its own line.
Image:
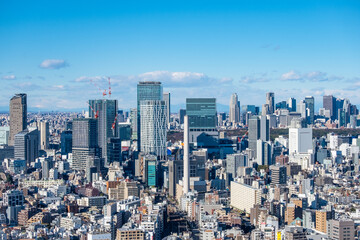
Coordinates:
135	171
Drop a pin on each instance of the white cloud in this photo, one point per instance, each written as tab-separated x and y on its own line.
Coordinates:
292	75
9	77
314	76
54	64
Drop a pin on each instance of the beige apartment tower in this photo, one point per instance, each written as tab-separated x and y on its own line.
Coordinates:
18	116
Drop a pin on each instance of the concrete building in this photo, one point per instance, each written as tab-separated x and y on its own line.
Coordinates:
341	229
166	98
130	234
237	199
43	128
278	175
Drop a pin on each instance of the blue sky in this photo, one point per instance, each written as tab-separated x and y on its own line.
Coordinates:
52	49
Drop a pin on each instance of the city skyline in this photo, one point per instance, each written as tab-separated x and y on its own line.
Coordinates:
241	47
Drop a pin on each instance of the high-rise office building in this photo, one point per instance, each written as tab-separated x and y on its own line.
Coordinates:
270	101
85	143
106	109
43	127
329	103
310	109
300	138
153	127
166	98
27	146
4	135
66	142
234	161
234	113
202	117
146	91
134	123
278	174
291	104
259	129
301	108
18	116
182	113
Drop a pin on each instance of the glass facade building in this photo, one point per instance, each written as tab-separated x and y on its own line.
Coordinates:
146	91
106	109
153	127
201	112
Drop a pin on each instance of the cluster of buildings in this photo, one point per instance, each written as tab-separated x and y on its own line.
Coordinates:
199	174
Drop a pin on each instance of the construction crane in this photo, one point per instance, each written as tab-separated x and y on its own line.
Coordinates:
114	124
96	114
242	138
103	91
109	92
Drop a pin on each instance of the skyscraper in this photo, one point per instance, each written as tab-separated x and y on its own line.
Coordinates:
153	127
259	129
18	116
182	113
106	109
146	91
329	104
202	117
43	127
134	123
234	113
166	97
270	101
301	108
300	139
291	104
85	143
310	105
27	145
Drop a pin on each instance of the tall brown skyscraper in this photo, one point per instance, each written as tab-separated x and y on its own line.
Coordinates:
18	116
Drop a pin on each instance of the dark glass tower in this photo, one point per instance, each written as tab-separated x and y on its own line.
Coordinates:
106	110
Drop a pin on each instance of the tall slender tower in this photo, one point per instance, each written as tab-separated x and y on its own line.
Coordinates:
186	156
270	101
234	113
166	98
18	116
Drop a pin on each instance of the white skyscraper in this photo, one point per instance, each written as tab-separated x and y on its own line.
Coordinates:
166	98
301	108
153	127
43	128
186	156
234	114
300	139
